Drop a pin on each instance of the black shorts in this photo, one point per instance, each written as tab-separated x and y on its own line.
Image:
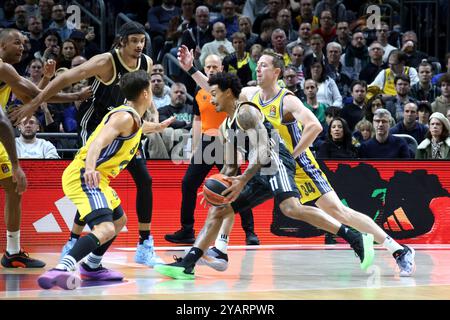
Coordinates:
280	185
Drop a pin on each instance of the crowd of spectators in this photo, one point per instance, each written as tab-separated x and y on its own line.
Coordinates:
374	91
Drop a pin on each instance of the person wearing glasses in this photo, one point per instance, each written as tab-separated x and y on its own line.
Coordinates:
376	64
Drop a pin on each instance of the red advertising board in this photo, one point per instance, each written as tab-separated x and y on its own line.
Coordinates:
409	199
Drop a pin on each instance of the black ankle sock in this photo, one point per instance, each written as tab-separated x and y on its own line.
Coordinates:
100	251
74	236
347	234
192	256
143	235
84	246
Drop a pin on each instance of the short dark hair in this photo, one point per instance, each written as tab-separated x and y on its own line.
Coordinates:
445	78
362	83
333	111
402	77
226	81
133	83
401	56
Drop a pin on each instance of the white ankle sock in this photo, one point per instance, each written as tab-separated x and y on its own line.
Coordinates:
391	245
13	242
222	242
93	261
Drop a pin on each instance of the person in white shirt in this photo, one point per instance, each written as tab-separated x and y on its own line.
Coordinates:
30	147
219	46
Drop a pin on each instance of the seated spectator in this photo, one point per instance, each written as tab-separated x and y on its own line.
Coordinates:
8	18
254	7
265	37
328	92
290	79
84	41
376	102
334	68
310	93
327	29
77	60
229	18
51	46
317	44
182	112
442	103
284	19
68	52
160	98
297	53
235	62
20	22
255	53
364	131
338	143
376	64
409	125
336	8
279	42
382	37
343	35
303	40
245	26
436	78
159	68
396	104
330	114
437	142
30	147
35	71
220	46
409	46
384	145
356	56
35	33
274	6
354	112
60	23
424	112
424	90
307	14
385	79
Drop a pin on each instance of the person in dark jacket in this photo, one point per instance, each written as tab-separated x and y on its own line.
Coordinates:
339	141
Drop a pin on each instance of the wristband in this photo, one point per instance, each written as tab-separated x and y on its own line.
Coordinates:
192	70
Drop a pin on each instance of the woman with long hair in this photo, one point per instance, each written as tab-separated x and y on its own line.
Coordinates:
437	141
51	46
339	142
328	91
68	51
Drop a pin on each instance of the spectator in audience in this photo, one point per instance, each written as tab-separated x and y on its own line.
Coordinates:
68	52
436	78
306	14
45	12
31	8
424	112
327	29
334	68
383	33
356	56
317	46
424	90
214	7
245	26
158	18
374	103
77	60
8	18
159	68
339	142
274	6
396	104
343	36
229	18
20	21
409	46
330	114
409	125
160	98
437	142
182	112
318	108
279	42
63	27
51	46
86	45
265	37
235	62
364	131
297	54
179	24
35	71
255	53
304	37
254	7
442	103
30	147
35	33
219	46
385	79
337	9
194	38
354	112
284	19
384	145
375	65
328	92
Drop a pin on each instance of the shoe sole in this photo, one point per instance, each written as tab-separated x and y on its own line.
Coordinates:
216	264
369	252
64	281
413	253
174	272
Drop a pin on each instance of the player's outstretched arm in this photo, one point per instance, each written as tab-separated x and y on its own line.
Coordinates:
311	125
119	124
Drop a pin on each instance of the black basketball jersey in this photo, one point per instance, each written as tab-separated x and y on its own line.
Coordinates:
106	95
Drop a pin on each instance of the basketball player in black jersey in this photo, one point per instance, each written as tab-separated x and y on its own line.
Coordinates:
270	173
106	69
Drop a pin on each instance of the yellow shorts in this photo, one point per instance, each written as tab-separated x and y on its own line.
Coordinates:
87	199
311	182
5	164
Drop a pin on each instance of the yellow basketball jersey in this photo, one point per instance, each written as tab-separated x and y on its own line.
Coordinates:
115	157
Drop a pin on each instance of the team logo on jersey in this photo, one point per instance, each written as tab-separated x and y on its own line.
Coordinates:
5	168
273	111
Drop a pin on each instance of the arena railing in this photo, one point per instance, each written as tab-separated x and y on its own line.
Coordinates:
100	21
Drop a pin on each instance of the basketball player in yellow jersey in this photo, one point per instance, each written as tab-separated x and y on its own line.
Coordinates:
86	180
11	48
291	110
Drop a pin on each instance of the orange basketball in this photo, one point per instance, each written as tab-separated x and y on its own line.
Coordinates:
213	188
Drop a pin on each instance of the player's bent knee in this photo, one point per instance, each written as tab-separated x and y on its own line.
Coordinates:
289	208
105	231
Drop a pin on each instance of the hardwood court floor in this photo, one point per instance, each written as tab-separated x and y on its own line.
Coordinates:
265	272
